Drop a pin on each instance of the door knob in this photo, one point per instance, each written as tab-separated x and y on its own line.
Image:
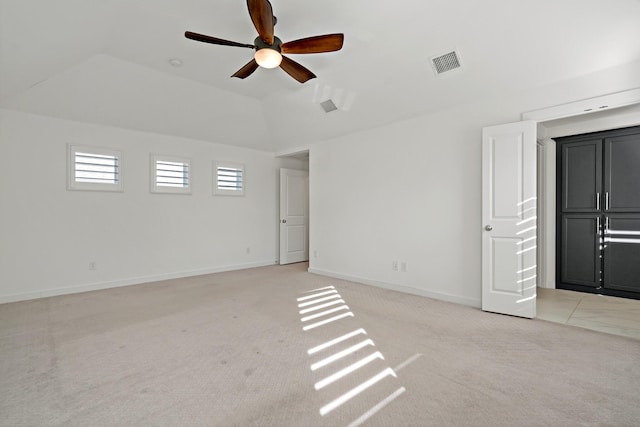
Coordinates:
488	227
284	221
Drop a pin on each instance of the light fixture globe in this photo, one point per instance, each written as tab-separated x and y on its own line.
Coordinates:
268	58
267	55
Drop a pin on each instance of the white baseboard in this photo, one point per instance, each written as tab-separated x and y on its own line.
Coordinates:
401	288
126	282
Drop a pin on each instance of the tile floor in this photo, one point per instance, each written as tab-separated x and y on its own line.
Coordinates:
617	316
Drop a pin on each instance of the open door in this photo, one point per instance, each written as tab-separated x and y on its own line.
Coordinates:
509	218
294	216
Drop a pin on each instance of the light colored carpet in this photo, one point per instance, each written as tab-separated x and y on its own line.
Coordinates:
229	349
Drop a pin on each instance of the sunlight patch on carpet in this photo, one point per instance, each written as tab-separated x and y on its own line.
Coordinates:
325	299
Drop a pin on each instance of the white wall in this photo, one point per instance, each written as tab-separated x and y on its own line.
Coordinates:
48	235
407	192
411	192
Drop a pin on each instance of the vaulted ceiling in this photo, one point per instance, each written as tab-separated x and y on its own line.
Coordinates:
108	62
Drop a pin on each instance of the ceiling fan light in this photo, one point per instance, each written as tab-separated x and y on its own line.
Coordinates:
268	58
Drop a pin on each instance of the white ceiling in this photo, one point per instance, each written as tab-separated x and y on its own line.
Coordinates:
107	62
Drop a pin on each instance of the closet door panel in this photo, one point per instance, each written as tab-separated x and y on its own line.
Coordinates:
580	250
582	176
622	173
622	252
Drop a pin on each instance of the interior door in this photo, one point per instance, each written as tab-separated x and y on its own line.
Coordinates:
509	218
622	173
294	216
581	176
580	249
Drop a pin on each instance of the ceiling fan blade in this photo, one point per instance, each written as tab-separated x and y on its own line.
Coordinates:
247	70
316	44
215	40
262	16
296	70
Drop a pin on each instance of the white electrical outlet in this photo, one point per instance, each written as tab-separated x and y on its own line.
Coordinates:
315	254
248	250
93	265
394	265
403	266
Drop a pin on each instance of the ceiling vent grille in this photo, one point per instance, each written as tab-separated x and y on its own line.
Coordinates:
447	62
328	106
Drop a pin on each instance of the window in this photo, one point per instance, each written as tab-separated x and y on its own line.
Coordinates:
228	179
94	169
170	174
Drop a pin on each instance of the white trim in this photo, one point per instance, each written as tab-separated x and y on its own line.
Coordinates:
541	223
161	189
546	213
578	108
471	302
586	106
128	282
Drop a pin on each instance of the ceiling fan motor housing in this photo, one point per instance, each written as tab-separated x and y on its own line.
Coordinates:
260	44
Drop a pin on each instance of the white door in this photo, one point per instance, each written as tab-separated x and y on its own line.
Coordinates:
294	216
509	219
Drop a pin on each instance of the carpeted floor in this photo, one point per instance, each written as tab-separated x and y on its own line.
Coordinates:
232	349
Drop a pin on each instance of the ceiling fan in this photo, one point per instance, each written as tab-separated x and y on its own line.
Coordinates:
269	48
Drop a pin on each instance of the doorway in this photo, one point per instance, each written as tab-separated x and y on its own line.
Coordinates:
557	122
293	209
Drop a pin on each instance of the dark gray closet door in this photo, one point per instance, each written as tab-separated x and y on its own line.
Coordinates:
582	176
622	252
622	173
580	250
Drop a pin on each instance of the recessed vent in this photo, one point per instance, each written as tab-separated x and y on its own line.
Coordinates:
328	106
447	62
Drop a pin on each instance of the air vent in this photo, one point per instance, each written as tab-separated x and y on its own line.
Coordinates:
447	62
328	106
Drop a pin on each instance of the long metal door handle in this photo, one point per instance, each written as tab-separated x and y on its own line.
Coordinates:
599	239
606	201
597	201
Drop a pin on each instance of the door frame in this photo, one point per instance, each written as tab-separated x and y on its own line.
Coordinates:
546	212
298	153
587	108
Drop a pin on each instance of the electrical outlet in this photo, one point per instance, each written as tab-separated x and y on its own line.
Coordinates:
403	266
394	265
93	265
315	254
248	250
